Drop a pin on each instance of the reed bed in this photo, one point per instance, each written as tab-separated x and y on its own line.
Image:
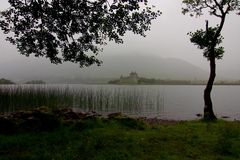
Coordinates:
30	96
102	100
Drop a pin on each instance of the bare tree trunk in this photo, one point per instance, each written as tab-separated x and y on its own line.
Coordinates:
208	109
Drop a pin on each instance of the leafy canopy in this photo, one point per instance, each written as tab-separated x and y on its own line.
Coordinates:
214	7
209	39
73	30
204	39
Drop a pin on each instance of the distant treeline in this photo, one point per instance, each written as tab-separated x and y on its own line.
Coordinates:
7	81
35	82
163	82
152	81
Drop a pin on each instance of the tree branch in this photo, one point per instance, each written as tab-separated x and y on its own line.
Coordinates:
206	26
219	6
215	14
213	8
229	7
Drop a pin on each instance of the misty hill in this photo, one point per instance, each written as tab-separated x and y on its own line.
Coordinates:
152	67
113	67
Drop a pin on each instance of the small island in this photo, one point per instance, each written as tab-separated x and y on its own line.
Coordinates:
6	81
134	79
35	82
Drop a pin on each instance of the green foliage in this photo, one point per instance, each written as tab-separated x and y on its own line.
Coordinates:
110	140
6	81
209	39
205	40
130	123
74	28
20	97
88	123
214	7
228	139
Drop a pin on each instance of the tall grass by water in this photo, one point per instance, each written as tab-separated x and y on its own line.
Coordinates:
14	97
17	97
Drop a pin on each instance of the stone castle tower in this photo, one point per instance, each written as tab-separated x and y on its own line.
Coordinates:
131	79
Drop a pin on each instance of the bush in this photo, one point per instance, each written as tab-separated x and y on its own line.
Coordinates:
6	81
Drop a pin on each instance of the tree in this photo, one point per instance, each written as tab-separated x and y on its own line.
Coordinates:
210	39
5	81
73	30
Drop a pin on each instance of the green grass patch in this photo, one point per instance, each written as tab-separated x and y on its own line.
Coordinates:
125	138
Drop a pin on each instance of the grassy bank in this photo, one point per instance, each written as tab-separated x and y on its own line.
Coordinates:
125	138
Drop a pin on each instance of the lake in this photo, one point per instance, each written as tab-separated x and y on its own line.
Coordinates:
177	102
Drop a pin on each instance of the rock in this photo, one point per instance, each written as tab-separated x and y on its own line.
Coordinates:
199	115
115	115
70	116
61	112
41	119
82	115
92	114
42	109
225	117
21	115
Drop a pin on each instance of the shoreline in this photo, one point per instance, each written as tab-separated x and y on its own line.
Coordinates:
41	134
68	114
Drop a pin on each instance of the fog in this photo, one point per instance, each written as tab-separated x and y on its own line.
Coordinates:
167	39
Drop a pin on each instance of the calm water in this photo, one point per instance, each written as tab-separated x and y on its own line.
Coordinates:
178	102
161	101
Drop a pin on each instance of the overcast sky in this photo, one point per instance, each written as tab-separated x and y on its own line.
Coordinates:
167	38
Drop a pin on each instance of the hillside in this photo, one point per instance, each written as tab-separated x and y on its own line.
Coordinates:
113	66
152	67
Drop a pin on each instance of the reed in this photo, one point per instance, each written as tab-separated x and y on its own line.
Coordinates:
14	97
102	100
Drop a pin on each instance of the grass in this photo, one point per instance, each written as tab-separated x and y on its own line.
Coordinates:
126	139
13	97
17	97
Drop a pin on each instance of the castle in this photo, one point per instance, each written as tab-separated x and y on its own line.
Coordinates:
131	79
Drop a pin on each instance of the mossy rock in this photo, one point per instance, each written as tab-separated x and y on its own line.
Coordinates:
115	115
